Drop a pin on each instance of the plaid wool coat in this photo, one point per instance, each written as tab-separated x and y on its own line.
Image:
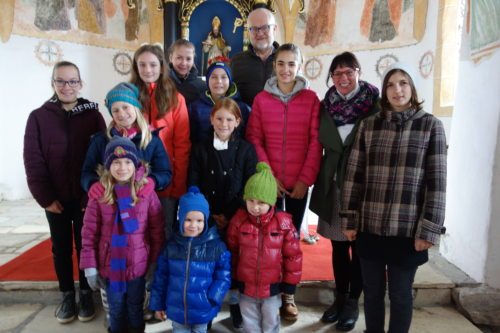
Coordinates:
395	182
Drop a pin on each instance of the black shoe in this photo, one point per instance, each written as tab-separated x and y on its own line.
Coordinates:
237	319
86	310
348	316
65	312
331	314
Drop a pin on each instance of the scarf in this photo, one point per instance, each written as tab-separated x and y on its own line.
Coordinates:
125	223
124	132
348	111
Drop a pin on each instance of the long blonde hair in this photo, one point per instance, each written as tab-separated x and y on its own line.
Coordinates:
146	135
108	181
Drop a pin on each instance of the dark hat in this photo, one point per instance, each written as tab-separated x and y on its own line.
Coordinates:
123	92
120	147
224	66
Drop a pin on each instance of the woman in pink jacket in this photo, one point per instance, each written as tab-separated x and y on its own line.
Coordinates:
284	127
122	235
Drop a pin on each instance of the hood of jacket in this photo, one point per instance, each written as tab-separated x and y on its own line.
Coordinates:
82	105
271	87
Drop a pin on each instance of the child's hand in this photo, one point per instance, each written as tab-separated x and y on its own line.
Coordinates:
161	315
281	189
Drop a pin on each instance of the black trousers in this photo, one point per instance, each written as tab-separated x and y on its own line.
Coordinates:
64	228
346	269
296	207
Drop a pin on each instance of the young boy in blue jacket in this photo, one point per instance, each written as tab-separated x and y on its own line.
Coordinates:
193	273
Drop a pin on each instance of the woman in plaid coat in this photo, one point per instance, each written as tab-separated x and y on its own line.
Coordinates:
393	199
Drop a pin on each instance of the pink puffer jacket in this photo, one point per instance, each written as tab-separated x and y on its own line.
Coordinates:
144	245
285	135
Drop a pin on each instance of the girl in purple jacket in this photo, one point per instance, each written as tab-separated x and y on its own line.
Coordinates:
122	235
55	142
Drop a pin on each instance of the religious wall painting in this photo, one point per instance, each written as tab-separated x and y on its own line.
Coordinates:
384	62
313	68
484	27
106	23
426	64
332	26
122	63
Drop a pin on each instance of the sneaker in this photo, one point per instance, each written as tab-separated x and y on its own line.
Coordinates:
65	312
309	239
86	310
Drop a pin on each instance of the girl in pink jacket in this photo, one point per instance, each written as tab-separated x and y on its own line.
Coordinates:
122	235
284	128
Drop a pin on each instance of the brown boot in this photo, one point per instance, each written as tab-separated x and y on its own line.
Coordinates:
288	310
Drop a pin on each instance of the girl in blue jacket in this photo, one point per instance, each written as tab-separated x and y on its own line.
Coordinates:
193	273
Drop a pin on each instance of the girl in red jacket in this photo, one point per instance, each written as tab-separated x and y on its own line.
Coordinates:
284	128
122	235
265	252
165	109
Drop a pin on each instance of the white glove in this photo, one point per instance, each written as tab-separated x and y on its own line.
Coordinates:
94	280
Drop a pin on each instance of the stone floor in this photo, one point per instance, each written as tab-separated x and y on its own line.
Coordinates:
29	307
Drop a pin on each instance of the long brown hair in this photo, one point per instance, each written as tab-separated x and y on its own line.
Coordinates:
165	91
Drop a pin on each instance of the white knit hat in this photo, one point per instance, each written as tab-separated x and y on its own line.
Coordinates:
405	67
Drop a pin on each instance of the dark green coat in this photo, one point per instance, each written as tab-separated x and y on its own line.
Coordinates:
333	162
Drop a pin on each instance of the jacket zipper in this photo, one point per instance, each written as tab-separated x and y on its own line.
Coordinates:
259	251
186	281
284	145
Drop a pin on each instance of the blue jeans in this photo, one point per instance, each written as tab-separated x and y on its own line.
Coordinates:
260	315
127	308
400	281
180	328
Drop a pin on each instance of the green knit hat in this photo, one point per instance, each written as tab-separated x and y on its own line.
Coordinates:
262	185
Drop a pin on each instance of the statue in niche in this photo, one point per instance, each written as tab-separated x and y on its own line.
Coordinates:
215	45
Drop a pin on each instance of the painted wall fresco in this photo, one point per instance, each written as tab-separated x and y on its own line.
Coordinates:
330	26
106	23
484	27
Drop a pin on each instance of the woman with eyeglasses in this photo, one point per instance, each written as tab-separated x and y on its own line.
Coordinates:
346	103
55	143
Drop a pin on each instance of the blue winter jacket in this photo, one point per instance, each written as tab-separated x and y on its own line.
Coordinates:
192	277
199	114
154	154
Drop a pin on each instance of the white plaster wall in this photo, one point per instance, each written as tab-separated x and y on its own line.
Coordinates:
492	271
472	148
25	85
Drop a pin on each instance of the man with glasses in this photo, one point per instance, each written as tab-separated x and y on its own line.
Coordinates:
253	67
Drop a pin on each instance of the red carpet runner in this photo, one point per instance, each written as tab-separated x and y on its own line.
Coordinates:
36	264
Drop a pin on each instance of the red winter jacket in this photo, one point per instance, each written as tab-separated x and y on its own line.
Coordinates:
285	135
144	244
265	252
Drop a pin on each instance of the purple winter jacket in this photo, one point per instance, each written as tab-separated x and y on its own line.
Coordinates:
55	145
144	244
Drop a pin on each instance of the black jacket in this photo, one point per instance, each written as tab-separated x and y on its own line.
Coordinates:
191	87
222	188
251	73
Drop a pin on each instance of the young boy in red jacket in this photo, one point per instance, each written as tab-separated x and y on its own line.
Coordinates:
265	251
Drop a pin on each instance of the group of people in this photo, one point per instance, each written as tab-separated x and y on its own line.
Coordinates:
198	189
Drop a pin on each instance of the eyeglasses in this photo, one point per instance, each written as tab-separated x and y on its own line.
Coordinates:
349	73
264	29
62	83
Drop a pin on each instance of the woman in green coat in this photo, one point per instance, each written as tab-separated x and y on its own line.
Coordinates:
346	103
